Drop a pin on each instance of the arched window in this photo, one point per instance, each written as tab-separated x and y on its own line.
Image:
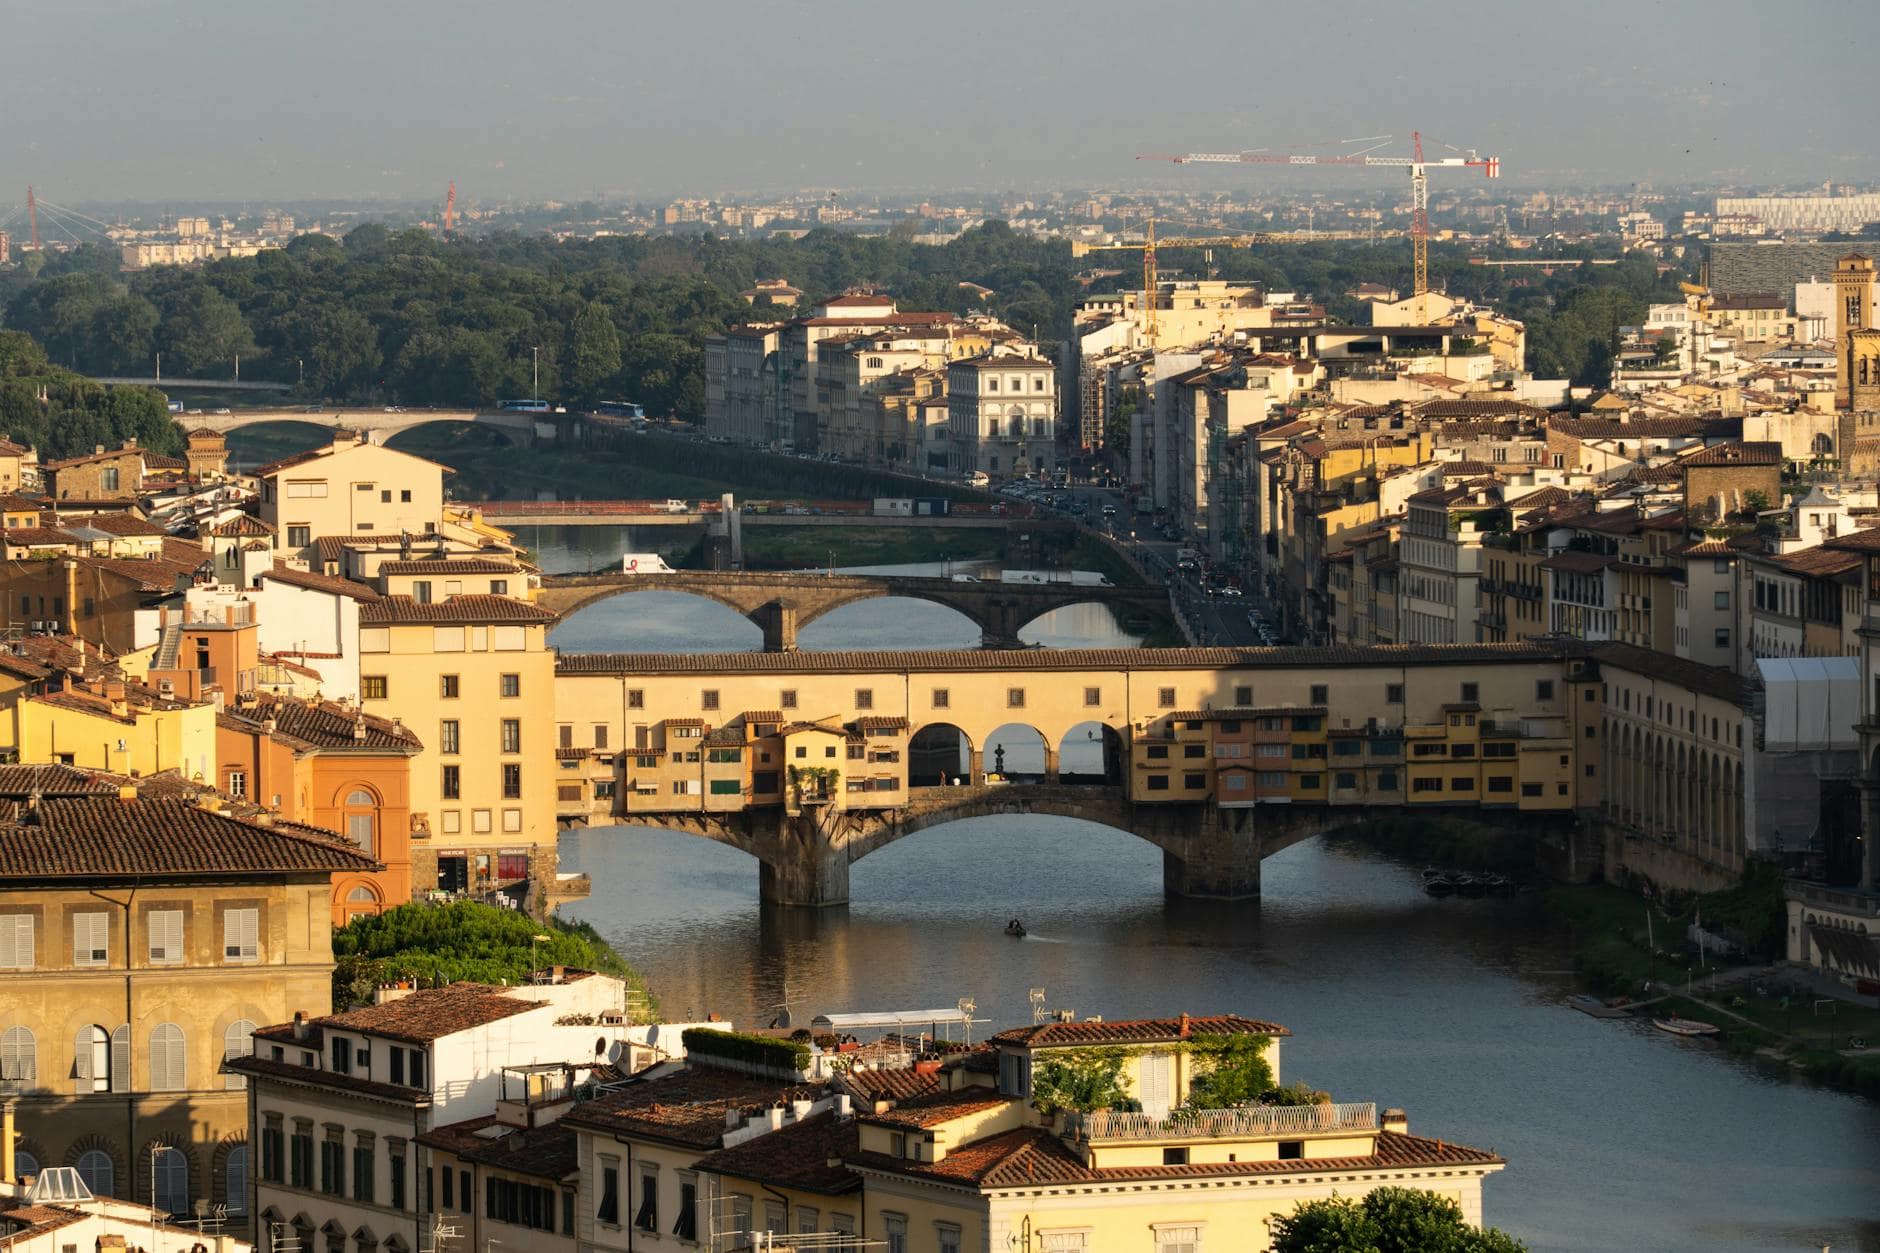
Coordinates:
121	1058
91	1060
19	1055
235	1179
169	1067
98	1171
362	819
170	1169
24	1164
237	1041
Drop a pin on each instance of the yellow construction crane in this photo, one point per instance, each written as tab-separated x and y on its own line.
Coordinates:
1148	245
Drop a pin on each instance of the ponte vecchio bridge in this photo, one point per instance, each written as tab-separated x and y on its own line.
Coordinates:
1218	756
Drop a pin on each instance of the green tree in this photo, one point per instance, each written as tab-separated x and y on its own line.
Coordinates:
203	332
1386	1220
1082	1081
438	944
593	352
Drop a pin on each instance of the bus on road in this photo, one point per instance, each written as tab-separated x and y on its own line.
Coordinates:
523	406
621	409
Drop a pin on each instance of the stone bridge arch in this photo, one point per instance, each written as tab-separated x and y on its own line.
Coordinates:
782	604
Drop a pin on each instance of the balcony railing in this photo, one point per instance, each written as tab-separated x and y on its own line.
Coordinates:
1225	1124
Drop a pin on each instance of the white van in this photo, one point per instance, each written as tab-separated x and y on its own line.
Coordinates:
978	478
644	563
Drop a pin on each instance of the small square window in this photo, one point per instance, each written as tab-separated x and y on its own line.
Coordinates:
941	697
1093	696
1014	698
1543	689
511	686
636	698
447	686
373	687
787	698
1321	694
1165	697
1471	692
1393	693
708	699
864	698
1243	695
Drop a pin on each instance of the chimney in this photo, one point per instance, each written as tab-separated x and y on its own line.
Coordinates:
799	1110
1184	1031
1396	1120
775	1115
844	1108
733	1120
300	1024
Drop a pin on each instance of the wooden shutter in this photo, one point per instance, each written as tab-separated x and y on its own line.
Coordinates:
240	928
16	941
121	1059
250	933
81	1058
166	936
168	1072
91	934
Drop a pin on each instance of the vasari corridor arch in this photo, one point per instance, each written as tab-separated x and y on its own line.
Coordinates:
1218	756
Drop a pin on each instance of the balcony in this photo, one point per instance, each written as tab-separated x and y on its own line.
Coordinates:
1249	1123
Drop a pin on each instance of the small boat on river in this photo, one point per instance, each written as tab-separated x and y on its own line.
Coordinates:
1015	929
1684	1026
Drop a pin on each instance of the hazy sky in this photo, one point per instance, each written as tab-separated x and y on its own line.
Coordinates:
115	100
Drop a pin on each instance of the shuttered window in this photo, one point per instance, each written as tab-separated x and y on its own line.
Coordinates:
237	1041
170	1170
169	1070
91	1059
91	939
19	1055
16	941
240	935
166	937
121	1058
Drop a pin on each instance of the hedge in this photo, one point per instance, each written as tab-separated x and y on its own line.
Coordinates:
757	1050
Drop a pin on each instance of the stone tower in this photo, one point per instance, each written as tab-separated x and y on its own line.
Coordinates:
1856	343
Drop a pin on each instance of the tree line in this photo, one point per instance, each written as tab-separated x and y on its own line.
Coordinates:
404	317
63	414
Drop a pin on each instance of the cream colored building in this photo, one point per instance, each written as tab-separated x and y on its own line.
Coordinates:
1003	412
473	677
349	487
142	941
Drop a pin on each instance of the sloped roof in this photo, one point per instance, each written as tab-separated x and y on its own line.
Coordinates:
468	608
1135	1031
157	839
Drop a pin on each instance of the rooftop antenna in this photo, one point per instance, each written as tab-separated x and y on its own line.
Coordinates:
1038	1012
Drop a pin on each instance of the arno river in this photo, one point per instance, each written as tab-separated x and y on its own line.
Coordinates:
1617	1136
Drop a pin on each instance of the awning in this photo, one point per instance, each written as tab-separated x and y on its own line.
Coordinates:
1847	950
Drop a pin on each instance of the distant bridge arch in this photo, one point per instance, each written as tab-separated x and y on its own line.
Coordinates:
381	422
783	603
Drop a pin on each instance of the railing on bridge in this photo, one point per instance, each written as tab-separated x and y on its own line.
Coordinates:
1225	1124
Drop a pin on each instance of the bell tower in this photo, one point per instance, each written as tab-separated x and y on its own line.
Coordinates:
1853	314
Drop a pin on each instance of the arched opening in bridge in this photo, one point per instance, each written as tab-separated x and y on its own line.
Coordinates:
1018	753
259	443
888	622
1091	752
1088	624
657	622
937	754
457	443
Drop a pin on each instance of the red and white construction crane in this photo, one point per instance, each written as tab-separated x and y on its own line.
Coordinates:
32	216
1417	164
450	208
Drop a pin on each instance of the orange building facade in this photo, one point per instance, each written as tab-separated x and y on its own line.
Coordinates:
330	766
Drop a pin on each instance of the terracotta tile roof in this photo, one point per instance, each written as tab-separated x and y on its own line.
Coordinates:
36	537
1736	454
432	1013
18	782
1814	563
10	449
450	565
157	839
1541	498
546	1152
806	1156
879	722
1714	681
298	459
108	454
314	1077
1135	1031
327	725
934	1108
761	715
123	524
1055	659
150	574
687	1108
471	608
240	524
1865	541
897	1083
331	583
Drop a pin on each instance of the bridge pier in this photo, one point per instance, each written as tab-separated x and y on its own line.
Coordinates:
1050	764
805	866
1220	857
778	618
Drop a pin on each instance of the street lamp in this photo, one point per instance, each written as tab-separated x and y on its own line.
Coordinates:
535	387
534	940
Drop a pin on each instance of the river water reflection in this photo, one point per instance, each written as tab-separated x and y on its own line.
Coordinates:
1617	1136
